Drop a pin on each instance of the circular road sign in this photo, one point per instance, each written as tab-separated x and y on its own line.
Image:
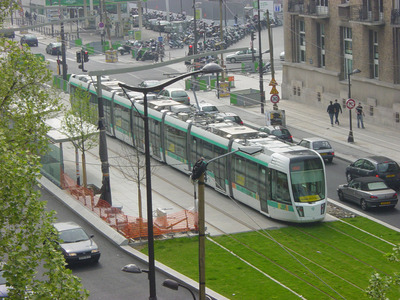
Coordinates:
350	103
274	98
101	25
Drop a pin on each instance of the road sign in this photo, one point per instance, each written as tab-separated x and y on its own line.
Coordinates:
350	103
101	25
275	98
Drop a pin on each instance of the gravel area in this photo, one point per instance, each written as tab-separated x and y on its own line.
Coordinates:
339	212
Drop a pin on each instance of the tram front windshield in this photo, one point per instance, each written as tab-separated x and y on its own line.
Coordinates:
308	180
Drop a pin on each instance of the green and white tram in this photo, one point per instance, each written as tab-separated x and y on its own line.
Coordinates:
284	182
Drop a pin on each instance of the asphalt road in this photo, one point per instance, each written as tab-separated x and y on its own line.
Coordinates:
105	280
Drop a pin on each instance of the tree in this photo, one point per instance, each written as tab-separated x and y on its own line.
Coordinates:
79	124
29	245
379	285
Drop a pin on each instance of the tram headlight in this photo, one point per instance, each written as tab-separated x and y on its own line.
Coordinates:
300	211
322	208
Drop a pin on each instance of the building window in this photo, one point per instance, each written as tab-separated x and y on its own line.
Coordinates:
319	97
397	117
302	41
298	91
371	110
375	54
294	91
321	44
348	50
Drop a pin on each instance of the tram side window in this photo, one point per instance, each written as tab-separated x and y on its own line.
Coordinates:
176	141
279	187
121	115
246	173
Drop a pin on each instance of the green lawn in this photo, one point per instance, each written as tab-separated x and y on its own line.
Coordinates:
329	260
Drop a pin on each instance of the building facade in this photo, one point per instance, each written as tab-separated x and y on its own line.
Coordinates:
326	40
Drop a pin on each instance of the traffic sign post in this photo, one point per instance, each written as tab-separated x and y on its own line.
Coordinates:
275	98
350	104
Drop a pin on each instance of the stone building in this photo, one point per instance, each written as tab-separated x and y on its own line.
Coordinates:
326	40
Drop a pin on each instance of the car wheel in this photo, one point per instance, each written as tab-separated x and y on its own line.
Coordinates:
232	60
341	196
363	205
349	177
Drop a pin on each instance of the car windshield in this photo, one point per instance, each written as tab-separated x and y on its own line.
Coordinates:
390	166
375	186
280	132
210	108
320	145
179	94
73	235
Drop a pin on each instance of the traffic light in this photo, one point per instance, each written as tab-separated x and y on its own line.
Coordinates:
253	36
190	50
78	57
85	56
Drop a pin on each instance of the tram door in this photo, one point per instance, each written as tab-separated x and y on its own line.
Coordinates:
264	188
155	138
219	169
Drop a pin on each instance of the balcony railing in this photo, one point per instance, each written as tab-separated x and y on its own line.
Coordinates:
296	6
395	17
361	13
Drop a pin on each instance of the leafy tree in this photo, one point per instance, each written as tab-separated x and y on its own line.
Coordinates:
32	261
379	285
79	124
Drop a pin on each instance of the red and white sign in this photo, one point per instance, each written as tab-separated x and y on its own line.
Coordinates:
274	98
350	103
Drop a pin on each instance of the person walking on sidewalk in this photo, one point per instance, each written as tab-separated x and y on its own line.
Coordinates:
360	115
338	108
331	111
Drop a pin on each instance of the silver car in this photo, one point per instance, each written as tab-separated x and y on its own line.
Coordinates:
322	146
76	244
368	192
242	55
176	94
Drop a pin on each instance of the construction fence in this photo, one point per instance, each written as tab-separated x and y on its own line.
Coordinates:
131	227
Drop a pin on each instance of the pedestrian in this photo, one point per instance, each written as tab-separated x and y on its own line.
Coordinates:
338	109
331	111
360	115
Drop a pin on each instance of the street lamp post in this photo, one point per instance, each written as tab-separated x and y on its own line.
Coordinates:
199	170
207	69
350	139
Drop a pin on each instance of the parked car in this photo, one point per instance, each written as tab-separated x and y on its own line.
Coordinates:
175	94
9	34
207	108
242	55
279	131
54	48
77	246
322	146
30	40
378	166
3	286
228	116
150	83
368	192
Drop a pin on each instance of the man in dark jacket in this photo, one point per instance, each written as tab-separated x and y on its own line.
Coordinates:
331	111
338	108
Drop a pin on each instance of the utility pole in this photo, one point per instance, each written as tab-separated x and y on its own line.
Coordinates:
62	36
271	54
221	31
194	28
260	62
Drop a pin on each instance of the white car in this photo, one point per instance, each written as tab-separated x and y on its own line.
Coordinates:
322	146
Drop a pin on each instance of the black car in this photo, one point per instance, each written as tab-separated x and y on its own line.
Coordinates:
368	192
54	48
29	39
280	132
378	166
